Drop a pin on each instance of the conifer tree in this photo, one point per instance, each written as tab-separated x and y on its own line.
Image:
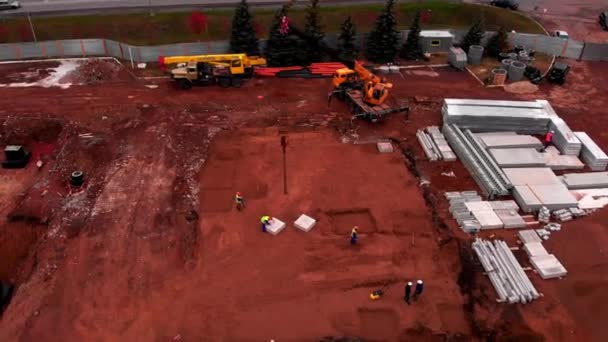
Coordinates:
411	48
474	35
314	31
243	38
347	41
282	49
382	41
498	43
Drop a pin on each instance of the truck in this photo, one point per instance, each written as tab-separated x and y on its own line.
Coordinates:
223	69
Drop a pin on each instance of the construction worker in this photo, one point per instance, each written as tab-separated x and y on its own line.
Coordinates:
353	235
419	288
265	222
408	292
240	202
548	140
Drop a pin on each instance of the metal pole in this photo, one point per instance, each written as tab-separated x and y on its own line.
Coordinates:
284	145
131	57
29	19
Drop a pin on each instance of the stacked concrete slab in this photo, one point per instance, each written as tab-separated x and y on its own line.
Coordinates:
517	157
563	138
510	218
557	161
590	199
531	117
500	140
528	236
534	188
485	215
305	223
548	266
506	275
592	154
482	167
587	180
459	211
442	144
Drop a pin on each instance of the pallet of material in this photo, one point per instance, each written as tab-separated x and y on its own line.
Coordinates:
510	218
548	267
528	236
586	180
535	249
591	153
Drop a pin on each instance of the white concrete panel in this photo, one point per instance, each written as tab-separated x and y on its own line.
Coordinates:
305	223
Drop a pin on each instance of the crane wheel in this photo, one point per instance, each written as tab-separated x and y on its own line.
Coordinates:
236	82
185	84
224	82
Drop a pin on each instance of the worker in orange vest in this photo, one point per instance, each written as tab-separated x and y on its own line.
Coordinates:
548	140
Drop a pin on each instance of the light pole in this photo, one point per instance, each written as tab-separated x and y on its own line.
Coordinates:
29	19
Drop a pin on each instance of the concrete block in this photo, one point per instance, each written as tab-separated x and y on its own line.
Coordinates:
305	223
510	218
548	266
385	147
275	226
517	157
535	249
488	219
478	206
528	236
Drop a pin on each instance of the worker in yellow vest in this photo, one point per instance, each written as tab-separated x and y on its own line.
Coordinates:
265	222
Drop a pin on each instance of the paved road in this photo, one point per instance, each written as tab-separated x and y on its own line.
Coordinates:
56	6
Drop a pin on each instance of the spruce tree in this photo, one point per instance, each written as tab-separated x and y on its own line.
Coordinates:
474	36
243	38
282	50
314	31
498	43
383	39
411	48
347	42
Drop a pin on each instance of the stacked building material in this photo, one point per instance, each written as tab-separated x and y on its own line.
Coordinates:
476	159
325	69
428	146
487	115
485	215
591	199
592	154
587	180
534	188
510	218
544	215
528	236
272	71
315	70
457	58
506	275
459	211
535	249
548	266
441	143
504	205
562	215
557	161
543	233
577	212
517	157
553	227
563	138
509	140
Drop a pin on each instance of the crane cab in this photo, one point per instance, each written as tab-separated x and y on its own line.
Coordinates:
344	76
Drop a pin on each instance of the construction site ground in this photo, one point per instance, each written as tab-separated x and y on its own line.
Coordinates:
151	247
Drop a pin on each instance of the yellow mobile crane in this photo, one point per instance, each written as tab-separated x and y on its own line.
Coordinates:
223	69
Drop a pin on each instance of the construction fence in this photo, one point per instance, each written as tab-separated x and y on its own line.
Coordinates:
136	54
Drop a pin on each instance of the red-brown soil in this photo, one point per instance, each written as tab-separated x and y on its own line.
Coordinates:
151	247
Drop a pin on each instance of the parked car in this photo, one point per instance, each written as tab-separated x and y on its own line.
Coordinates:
561	34
604	20
9	4
509	4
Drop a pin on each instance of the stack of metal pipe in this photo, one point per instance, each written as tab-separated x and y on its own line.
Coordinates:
506	275
428	146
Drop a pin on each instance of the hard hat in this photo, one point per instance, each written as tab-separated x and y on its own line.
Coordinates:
419	282
552	131
238	193
410	283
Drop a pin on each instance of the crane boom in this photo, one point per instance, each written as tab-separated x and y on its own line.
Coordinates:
246	61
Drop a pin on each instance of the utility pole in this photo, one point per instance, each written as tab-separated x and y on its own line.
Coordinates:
284	146
29	19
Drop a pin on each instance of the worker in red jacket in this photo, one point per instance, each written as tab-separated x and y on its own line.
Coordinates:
548	140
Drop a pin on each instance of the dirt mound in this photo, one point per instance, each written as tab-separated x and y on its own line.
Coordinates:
522	87
95	71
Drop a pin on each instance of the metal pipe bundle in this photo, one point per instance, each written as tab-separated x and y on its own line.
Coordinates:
506	275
